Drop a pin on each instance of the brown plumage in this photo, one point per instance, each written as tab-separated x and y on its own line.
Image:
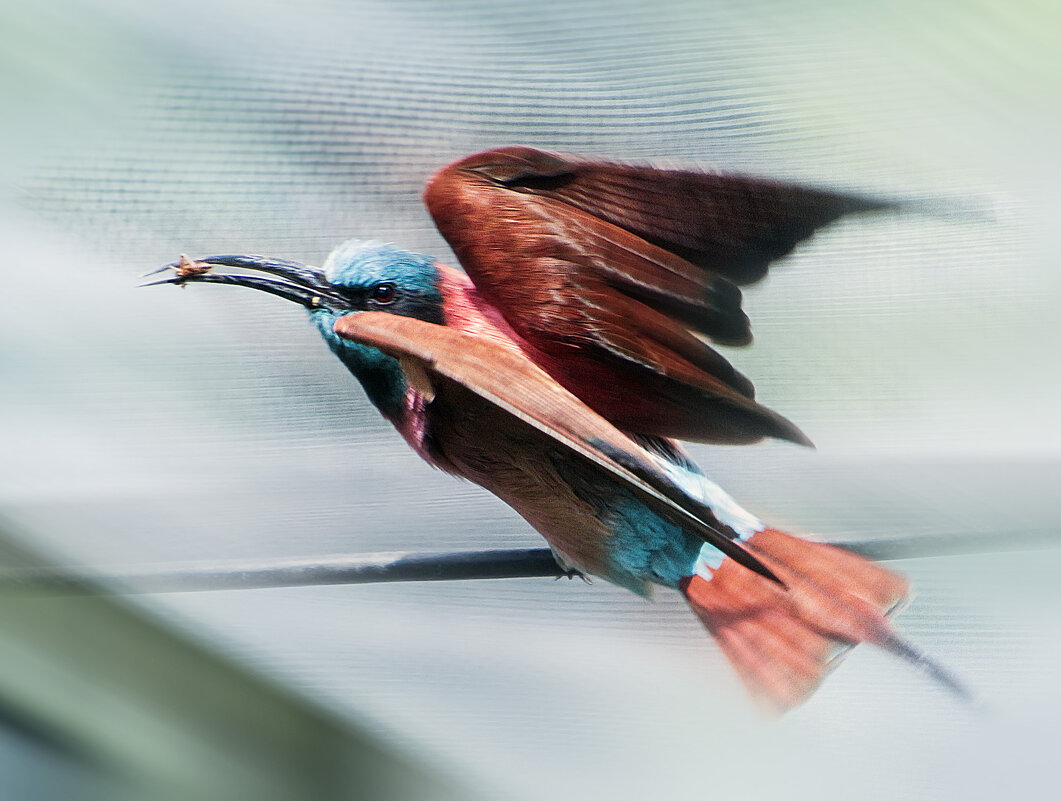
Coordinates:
553	373
504	377
608	270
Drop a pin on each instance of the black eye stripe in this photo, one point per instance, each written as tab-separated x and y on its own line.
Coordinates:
382	293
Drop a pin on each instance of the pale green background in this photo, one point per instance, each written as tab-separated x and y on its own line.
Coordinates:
919	351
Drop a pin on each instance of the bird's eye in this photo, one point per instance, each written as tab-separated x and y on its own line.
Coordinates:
383	293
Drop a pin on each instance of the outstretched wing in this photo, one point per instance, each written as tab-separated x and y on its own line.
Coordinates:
508	379
609	271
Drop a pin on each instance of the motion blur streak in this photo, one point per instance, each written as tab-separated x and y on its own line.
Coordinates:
918	352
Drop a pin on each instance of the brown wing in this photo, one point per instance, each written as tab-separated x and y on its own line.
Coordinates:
512	382
607	271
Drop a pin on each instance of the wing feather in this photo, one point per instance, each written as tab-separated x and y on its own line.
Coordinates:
732	224
608	270
508	379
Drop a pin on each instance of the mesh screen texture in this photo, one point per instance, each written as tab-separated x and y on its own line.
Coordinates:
918	350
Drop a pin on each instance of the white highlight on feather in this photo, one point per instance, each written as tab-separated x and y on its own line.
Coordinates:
708	561
727	510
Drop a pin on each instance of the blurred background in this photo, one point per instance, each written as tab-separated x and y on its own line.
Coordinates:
155	426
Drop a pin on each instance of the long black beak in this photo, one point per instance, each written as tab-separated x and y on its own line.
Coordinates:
302	284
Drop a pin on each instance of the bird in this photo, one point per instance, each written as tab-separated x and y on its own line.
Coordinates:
563	366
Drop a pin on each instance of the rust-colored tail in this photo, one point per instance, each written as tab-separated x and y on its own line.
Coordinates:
783	640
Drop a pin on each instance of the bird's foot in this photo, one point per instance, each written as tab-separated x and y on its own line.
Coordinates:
571	573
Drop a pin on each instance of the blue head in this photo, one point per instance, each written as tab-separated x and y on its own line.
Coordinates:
357	276
376	276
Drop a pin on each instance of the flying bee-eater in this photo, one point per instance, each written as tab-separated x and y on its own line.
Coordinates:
561	367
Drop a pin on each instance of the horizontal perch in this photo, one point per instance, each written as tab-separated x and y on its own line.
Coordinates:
407	566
